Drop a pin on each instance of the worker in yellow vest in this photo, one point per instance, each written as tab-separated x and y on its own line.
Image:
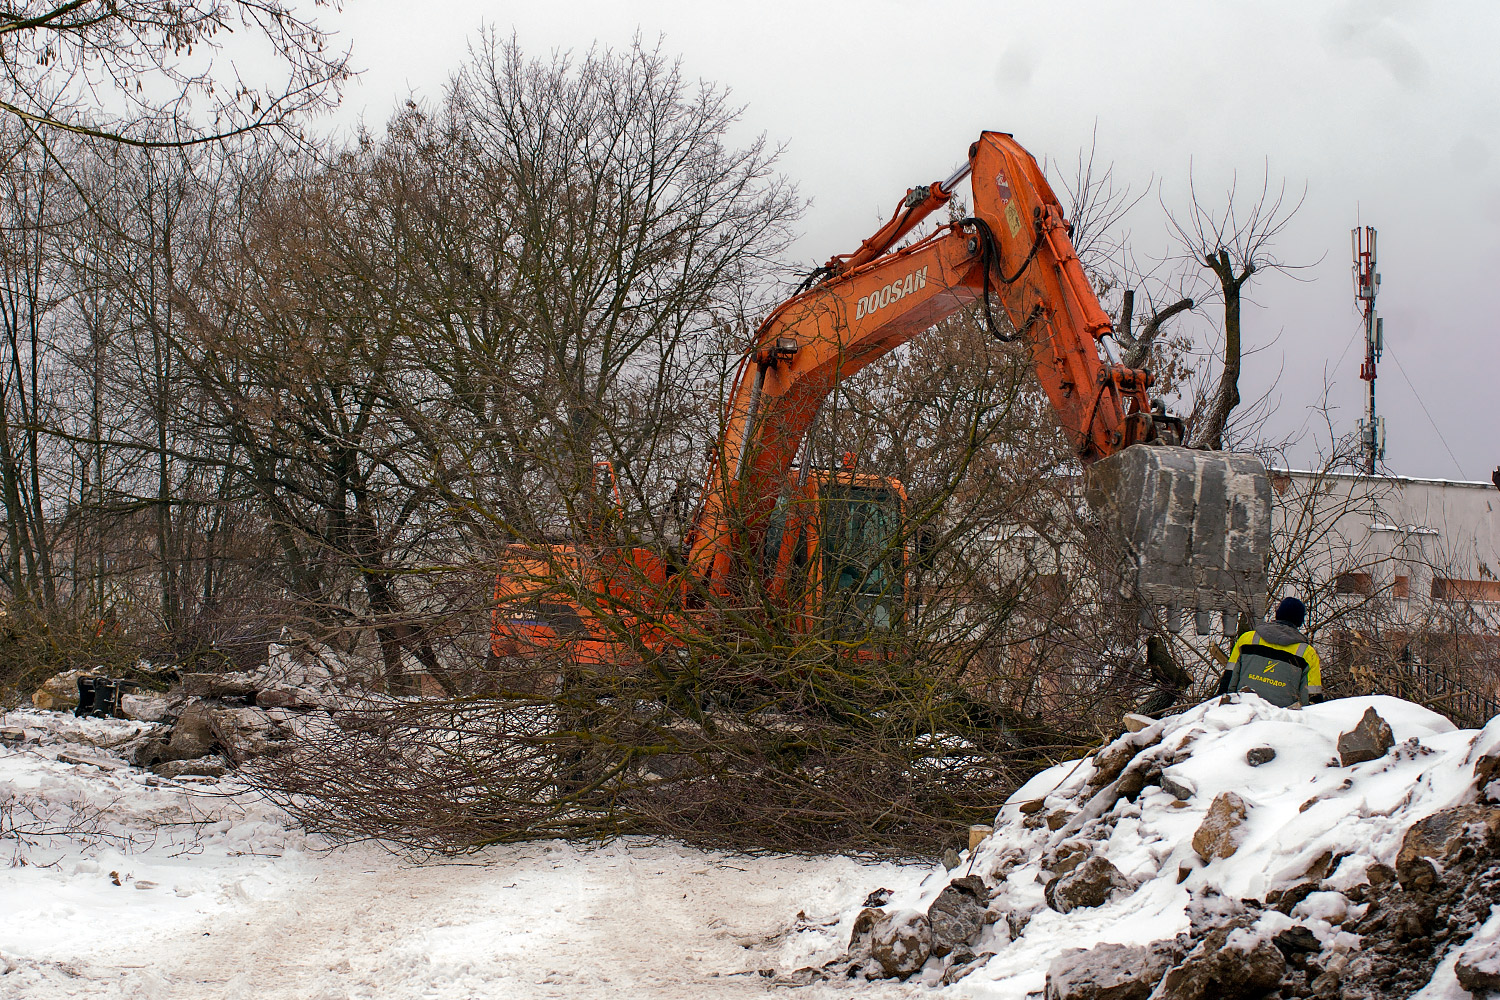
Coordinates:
1276	661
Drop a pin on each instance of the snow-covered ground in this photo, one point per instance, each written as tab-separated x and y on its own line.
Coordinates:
219	895
122	884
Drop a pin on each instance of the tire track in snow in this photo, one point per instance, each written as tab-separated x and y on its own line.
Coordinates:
635	919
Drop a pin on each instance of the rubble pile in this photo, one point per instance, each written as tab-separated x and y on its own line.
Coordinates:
1237	850
210	722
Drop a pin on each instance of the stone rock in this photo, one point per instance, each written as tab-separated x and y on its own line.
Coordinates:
1325	984
1257	756
243	720
1370	739
1066	856
1032	806
1477	972
1221	831
1090	884
1057	820
1136	777
149	752
864	926
1321	866
956	918
901	942
1486	771
288	697
1228	964
1110	971
971	884
193	735
878	898
1178	788
203	767
73	757
244	732
1295	940
952	859
303	665
1416	874
1442	834
960	964
1111	760
233	685
143	707
1296	894
58	693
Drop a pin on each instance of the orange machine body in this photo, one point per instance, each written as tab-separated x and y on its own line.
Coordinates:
834	536
1014	254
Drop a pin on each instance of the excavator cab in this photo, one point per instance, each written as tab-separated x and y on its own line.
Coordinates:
835	547
863	556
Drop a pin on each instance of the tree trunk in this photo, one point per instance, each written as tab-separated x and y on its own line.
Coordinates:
1208	430
1139	349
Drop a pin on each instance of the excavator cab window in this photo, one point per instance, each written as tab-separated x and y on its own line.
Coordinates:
775	532
862	557
786	544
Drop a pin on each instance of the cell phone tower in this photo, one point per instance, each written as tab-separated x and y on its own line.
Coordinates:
1366	284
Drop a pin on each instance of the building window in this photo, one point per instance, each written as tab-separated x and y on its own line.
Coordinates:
1401	586
1052	587
1353	583
1445	589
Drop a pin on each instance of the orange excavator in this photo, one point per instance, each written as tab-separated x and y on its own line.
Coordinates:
1192	527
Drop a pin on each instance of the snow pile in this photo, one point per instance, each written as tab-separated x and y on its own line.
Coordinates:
1234	819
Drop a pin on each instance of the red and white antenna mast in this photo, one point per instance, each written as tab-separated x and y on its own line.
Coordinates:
1366	284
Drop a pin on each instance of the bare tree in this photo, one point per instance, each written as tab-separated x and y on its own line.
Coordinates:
35	203
1233	244
422	346
146	72
1098	207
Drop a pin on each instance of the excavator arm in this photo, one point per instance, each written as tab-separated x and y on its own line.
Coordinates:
1015	256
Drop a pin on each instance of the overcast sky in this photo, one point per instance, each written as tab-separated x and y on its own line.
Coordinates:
1388	108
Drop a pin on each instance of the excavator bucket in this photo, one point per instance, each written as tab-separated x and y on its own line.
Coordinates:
1193	527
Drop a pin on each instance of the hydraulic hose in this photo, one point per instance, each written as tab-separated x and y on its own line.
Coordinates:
990	256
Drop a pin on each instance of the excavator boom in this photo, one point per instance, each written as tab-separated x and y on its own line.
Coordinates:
1192	527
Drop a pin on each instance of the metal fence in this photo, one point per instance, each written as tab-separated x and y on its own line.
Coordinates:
1434	687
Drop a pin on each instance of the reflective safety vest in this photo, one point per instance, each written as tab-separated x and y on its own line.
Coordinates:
1284	674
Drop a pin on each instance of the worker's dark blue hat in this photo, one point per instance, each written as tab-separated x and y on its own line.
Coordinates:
1291	611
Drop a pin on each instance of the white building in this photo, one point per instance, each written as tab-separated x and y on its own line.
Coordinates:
1402	581
1415	541
1401	578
